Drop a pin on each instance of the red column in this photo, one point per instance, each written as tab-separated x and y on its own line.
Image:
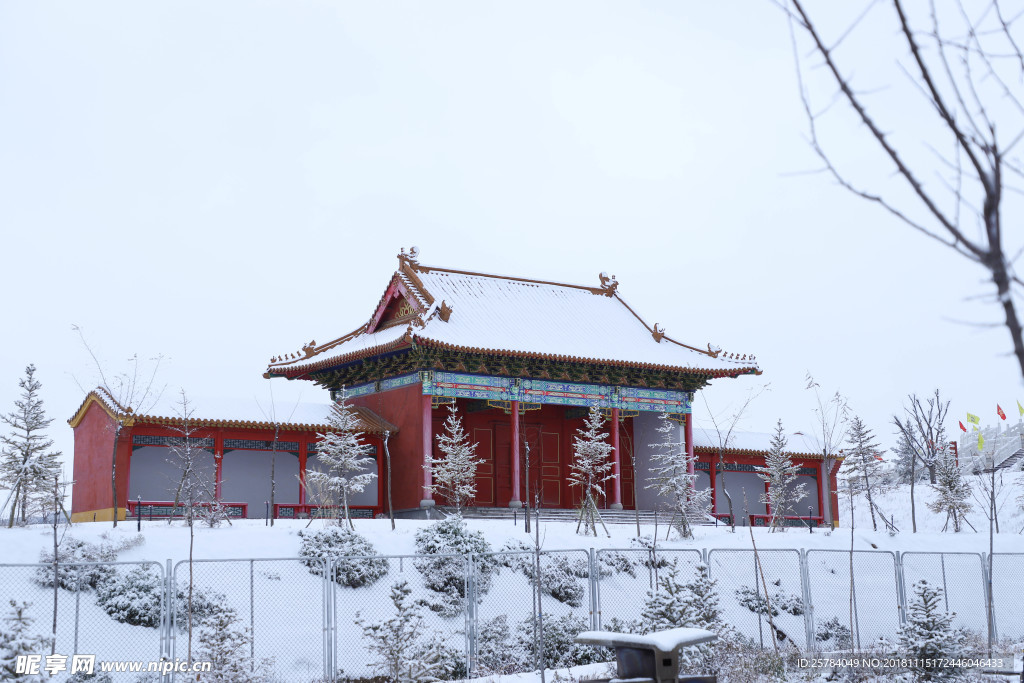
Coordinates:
616	463
218	459
688	435
515	502
303	454
428	437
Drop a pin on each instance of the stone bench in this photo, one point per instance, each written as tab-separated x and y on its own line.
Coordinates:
651	658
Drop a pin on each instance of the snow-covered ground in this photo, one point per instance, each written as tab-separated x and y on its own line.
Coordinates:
282	601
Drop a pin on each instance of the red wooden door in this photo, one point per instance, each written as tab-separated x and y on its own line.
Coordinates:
485	470
502	464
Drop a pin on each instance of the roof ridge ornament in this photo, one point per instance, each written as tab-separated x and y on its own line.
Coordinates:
445	311
658	332
714	350
608	284
412	258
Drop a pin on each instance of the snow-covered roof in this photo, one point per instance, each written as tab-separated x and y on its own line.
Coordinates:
239	413
750	443
494	314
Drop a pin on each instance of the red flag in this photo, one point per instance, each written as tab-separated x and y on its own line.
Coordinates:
1000	411
962	427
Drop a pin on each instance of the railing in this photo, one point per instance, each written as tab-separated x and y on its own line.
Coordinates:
162	509
296	511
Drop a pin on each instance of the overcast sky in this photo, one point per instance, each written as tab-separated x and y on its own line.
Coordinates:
221	182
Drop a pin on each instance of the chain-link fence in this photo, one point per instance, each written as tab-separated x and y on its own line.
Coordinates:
313	620
627	576
1008	595
961	576
268	612
113	610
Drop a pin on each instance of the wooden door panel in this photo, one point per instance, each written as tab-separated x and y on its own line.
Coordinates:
502	464
551	469
485	469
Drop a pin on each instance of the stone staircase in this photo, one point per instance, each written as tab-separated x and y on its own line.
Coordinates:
1009	464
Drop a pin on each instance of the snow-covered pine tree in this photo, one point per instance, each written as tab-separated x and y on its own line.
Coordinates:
406	652
227	645
671	479
780	473
591	468
344	457
953	493
454	473
16	639
928	636
862	465
27	465
694	604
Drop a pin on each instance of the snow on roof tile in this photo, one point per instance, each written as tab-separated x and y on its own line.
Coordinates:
228	412
797	443
517	316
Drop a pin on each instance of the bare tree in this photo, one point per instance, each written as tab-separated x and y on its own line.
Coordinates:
724	429
134	393
966	64
831	416
923	429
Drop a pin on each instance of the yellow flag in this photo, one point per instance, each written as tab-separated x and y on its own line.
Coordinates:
1020	408
973	418
981	442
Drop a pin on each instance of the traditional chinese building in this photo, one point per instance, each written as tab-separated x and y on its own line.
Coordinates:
237	454
522	360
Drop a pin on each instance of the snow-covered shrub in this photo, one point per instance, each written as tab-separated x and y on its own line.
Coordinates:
222	641
833	635
17	638
614	562
447	575
560	647
73	550
406	651
754	600
652	559
560	574
498	652
95	677
205	604
339	544
929	636
133	597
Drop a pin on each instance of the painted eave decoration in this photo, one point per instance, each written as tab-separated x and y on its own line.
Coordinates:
230	414
510	316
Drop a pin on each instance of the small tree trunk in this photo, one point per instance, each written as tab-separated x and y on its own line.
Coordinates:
113	470
14	504
913	479
387	457
273	481
56	583
871	504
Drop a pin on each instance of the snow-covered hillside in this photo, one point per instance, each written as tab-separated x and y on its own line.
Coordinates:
281	600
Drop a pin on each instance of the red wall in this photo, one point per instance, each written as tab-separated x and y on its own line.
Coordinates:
404	408
94	441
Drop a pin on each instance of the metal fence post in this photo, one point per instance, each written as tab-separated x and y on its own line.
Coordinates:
993	633
901	588
595	591
470	572
252	619
78	591
805	583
